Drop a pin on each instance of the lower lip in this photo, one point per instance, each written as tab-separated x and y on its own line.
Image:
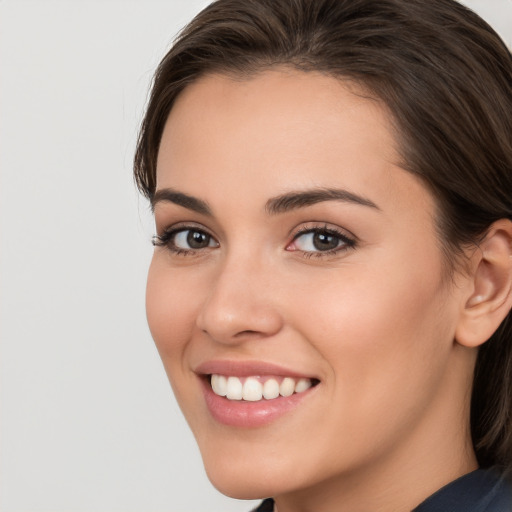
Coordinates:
241	413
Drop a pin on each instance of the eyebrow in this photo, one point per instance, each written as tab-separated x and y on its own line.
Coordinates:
181	199
275	205
301	199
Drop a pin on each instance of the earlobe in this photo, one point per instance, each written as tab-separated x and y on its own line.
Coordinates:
490	296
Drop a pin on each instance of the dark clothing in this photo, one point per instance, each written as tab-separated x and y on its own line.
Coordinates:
483	490
266	506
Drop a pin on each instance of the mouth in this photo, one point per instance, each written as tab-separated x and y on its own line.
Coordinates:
251	394
257	388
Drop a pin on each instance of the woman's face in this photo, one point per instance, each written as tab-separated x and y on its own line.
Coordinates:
294	250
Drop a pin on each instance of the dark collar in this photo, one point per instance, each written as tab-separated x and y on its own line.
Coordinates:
483	490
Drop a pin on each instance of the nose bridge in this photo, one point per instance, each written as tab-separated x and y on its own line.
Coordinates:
240	302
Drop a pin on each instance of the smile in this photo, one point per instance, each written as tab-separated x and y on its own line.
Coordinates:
256	388
252	394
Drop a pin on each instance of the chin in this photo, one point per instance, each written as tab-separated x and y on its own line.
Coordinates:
246	479
240	488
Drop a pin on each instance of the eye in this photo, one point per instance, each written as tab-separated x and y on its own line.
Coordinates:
192	239
185	240
320	240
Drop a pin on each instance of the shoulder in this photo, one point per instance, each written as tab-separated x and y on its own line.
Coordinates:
483	490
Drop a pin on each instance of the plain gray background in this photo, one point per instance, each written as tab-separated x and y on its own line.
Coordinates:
88	422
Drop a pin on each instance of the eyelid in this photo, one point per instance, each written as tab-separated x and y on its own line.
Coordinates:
308	227
185	224
348	239
163	239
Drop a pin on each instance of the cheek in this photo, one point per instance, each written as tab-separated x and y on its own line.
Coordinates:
386	343
385	335
171	303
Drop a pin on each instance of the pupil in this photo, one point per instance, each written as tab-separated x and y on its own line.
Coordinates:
197	240
324	242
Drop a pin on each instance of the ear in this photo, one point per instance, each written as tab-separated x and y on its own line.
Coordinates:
489	297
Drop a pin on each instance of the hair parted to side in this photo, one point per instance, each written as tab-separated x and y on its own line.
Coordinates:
446	78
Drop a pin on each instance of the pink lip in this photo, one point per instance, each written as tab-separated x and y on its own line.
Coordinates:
247	369
240	413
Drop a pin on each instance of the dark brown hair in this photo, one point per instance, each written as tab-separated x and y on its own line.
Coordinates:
446	78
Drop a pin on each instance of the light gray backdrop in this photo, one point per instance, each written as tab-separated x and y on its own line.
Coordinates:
88	422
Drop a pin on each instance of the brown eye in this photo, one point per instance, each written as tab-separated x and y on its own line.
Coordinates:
319	241
325	241
184	240
197	239
192	239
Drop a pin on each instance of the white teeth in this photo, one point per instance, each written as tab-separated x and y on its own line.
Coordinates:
234	388
302	385
219	385
252	390
271	389
287	387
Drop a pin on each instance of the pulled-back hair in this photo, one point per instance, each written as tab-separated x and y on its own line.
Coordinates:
445	77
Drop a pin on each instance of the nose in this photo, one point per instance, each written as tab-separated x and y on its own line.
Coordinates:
241	304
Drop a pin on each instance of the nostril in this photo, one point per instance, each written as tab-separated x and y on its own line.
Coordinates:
247	333
229	316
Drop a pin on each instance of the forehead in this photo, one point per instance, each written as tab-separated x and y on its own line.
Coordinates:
278	130
294	104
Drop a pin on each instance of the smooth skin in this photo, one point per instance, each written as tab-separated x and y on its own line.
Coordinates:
391	338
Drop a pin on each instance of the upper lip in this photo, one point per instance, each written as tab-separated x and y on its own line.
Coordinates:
247	369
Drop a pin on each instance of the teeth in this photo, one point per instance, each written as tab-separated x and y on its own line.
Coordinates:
302	385
219	385
253	390
287	387
234	389
271	389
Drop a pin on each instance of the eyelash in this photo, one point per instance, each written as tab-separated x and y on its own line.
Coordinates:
166	240
346	242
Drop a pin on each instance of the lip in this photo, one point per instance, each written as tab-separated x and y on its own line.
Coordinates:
246	414
248	369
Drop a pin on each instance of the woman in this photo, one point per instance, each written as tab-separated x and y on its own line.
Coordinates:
330	291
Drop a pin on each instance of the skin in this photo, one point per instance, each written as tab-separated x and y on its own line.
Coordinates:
375	323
